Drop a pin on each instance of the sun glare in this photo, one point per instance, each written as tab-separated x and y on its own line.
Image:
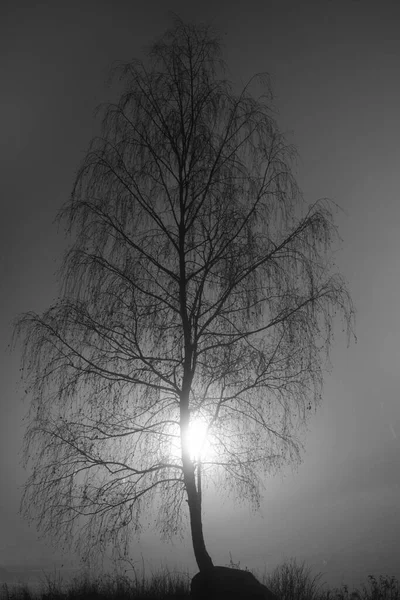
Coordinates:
199	445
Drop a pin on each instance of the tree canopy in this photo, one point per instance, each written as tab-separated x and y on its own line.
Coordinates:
198	286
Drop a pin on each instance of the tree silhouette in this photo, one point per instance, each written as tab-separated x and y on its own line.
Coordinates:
198	286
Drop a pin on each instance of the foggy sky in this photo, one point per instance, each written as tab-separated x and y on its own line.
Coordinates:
335	72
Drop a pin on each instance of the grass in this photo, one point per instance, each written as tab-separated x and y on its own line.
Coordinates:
289	581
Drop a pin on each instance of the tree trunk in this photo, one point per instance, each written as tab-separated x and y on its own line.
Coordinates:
203	559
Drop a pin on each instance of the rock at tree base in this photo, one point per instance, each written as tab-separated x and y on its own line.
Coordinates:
223	583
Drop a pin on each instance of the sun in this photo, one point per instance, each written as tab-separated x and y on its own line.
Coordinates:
198	438
198	443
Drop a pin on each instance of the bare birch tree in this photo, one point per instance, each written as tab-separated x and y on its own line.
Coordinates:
198	286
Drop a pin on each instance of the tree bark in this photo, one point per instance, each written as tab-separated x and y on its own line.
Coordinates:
203	559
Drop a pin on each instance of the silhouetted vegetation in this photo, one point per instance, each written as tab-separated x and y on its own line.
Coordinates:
290	581
199	290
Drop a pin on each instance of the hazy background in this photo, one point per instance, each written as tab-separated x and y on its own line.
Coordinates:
335	69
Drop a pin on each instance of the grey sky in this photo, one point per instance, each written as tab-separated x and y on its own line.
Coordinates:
335	69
